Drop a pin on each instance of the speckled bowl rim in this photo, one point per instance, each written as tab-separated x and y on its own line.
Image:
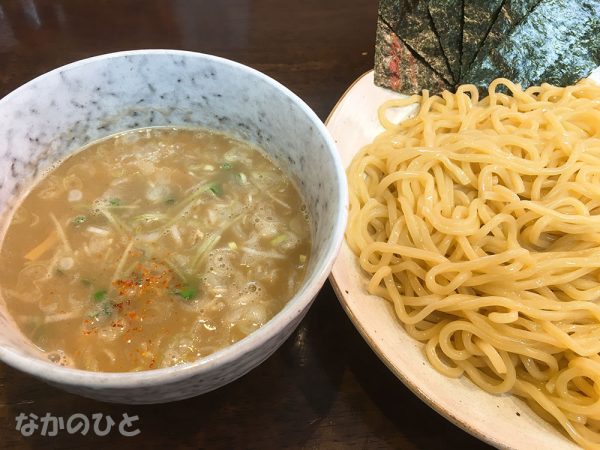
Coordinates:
296	306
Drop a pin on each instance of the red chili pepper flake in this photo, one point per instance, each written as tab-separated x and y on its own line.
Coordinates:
88	332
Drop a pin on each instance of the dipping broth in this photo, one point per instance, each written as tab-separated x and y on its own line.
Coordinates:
152	248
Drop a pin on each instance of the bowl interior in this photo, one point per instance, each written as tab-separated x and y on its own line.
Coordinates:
59	112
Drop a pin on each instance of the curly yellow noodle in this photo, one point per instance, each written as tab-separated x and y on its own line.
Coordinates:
479	220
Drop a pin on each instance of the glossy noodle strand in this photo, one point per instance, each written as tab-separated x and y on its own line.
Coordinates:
479	220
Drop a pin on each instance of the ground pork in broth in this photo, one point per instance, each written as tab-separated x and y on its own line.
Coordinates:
152	248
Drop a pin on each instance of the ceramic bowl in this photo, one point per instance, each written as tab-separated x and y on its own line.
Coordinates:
57	113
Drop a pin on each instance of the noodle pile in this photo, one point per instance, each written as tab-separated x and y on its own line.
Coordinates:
480	221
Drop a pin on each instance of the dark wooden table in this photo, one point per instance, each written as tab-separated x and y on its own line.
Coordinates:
324	388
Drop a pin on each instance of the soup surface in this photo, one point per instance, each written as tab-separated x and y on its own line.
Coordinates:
152	248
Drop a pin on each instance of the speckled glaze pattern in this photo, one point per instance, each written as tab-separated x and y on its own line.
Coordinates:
57	113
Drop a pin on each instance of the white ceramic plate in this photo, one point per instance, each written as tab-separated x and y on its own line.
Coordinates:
502	421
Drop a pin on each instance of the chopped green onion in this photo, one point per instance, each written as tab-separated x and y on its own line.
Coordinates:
226	166
170	201
149	217
279	239
187	293
232	245
105	309
114	202
79	219
215	189
37	333
205	246
137	279
99	295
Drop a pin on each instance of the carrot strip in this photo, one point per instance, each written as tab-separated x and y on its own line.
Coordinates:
43	247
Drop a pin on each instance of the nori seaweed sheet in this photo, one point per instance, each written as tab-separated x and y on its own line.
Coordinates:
557	42
511	14
582	59
411	22
447	22
397	68
478	18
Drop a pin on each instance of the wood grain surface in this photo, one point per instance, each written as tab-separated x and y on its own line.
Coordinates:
324	388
